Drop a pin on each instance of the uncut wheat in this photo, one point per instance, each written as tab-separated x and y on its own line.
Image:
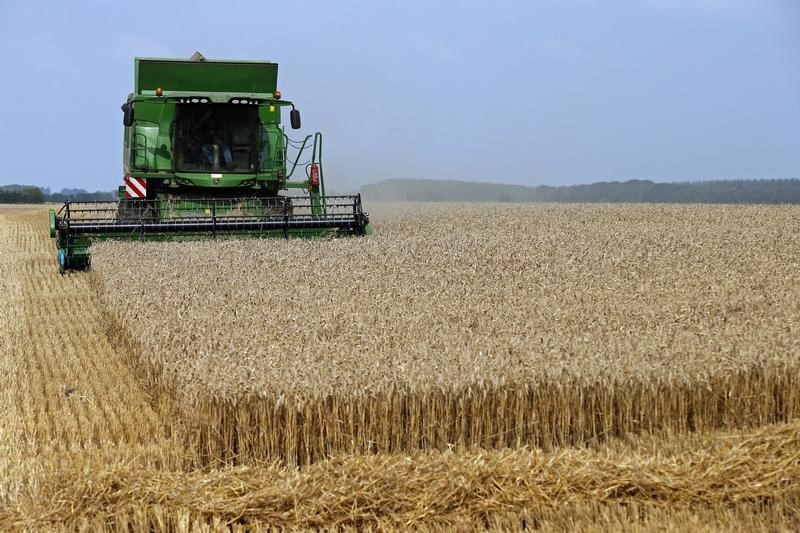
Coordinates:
459	325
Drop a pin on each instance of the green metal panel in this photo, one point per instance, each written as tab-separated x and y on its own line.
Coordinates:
273	147
127	147
215	180
152	146
270	114
205	76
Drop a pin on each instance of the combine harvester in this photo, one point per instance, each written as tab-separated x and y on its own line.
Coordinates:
205	156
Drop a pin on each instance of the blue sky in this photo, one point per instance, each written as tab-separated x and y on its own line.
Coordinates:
539	92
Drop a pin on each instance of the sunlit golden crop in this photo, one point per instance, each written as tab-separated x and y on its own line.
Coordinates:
467	366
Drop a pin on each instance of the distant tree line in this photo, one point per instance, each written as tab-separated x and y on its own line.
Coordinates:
772	191
28	194
20	194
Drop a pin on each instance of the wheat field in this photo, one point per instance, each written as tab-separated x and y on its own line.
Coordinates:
502	366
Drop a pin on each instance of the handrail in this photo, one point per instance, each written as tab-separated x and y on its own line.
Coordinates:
318	161
299	152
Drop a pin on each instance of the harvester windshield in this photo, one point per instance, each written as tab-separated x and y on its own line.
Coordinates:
216	138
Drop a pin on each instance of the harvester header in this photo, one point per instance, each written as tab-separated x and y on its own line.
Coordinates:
206	156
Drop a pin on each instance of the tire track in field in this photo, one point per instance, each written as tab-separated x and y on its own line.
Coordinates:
65	387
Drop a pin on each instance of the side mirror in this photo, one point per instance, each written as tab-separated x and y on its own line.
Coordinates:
127	116
294	118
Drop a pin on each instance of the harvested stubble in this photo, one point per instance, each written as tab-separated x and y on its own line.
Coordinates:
712	482
63	385
471	326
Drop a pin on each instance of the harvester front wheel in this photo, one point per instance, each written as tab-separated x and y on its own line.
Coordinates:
61	255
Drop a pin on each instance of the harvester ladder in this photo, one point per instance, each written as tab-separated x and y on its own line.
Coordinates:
140	147
316	159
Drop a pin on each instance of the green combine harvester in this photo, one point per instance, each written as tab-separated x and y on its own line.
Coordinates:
205	156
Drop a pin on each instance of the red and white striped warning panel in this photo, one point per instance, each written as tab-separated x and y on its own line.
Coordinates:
135	187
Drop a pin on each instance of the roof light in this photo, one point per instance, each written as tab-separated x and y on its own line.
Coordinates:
235	101
276	95
159	91
204	100
195	100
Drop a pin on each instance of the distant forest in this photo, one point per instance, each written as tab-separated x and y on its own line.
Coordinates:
775	191
27	194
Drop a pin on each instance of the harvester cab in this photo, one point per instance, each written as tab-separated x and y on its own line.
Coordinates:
206	156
